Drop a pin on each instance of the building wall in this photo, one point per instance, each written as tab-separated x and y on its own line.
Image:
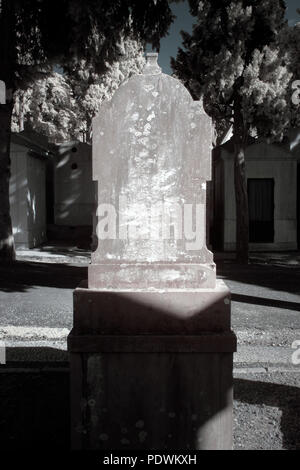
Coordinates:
265	161
74	188
27	197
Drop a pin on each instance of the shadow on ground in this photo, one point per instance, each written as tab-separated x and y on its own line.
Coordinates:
277	278
34	406
34	409
284	397
250	299
21	275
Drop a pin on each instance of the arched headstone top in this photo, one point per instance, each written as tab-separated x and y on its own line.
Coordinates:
134	102
152	74
151	146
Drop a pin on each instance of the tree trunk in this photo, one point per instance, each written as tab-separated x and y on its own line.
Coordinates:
7	249
8	59
240	183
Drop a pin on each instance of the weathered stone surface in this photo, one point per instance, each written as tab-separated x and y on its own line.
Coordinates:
151	348
151	276
152	400
171	312
152	156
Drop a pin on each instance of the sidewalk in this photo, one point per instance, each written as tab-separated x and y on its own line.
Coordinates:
62	252
286	258
57	252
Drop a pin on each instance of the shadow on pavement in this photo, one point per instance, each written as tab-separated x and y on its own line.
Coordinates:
277	278
250	299
21	275
34	405
34	409
284	397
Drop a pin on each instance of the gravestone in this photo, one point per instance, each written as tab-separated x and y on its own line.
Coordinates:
151	348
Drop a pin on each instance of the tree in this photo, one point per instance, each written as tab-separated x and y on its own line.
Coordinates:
61	106
290	40
234	60
37	34
91	89
47	106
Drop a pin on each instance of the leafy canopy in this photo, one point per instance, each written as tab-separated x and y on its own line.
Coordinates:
61	106
46	32
235	55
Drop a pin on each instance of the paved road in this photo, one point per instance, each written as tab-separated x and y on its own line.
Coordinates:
38	294
36	305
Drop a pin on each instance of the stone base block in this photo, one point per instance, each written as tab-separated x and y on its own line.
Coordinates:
173	311
151	369
165	400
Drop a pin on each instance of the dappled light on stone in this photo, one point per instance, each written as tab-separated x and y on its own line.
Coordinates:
151	346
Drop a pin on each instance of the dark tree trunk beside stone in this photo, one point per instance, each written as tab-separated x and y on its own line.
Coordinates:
7	249
240	185
8	61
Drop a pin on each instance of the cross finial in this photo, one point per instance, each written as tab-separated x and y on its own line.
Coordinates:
151	67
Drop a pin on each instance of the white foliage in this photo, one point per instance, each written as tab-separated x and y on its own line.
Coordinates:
62	106
222	65
291	45
264	91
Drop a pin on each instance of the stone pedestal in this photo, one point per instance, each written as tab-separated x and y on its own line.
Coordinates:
151	349
152	370
160	393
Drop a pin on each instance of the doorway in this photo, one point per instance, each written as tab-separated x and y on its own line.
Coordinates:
261	210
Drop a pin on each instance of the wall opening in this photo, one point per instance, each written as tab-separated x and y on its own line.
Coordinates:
261	210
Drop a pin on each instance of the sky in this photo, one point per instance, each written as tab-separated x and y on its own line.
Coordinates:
184	21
